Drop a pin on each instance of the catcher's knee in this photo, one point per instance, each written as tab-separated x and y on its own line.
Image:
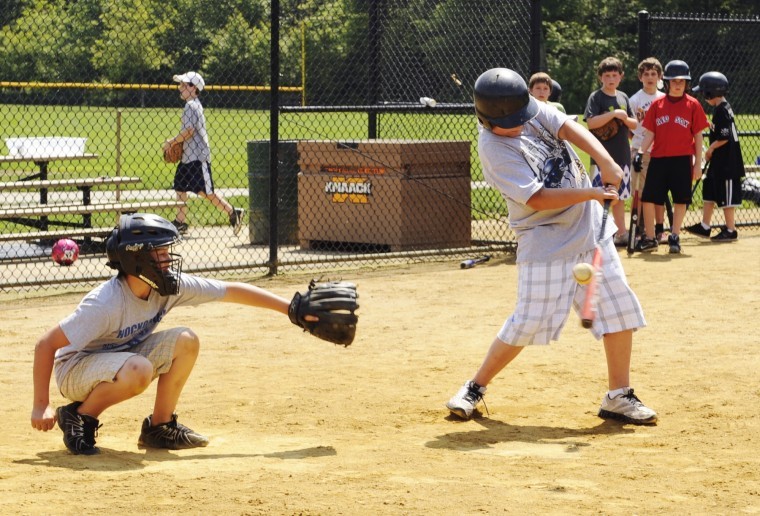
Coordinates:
135	375
187	343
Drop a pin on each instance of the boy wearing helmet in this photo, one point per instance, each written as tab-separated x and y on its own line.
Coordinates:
556	216
722	184
107	350
673	128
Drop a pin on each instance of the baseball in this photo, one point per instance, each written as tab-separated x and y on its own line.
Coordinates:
583	272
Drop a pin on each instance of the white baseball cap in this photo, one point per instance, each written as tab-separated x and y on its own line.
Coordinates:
193	78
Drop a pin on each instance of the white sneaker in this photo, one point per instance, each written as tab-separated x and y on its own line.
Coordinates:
466	399
628	408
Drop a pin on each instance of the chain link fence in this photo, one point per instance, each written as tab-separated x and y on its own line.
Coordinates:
725	44
364	170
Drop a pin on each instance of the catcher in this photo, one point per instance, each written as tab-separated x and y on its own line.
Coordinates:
108	349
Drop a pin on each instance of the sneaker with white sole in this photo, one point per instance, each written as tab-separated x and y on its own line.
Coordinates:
170	435
79	430
627	407
698	229
674	243
466	399
236	220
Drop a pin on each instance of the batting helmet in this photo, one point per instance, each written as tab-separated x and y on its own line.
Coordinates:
712	85
130	251
556	92
502	99
676	69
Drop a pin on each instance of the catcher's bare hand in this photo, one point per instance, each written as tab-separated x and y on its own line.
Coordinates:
327	310
43	419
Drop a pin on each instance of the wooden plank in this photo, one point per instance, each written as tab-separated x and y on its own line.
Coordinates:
63	183
46	159
56	234
41	210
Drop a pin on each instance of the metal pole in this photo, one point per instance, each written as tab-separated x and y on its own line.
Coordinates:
373	70
274	135
535	37
645	42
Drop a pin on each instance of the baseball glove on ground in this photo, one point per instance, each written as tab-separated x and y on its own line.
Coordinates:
173	153
334	304
607	131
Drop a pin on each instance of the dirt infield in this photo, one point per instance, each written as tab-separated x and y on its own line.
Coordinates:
298	426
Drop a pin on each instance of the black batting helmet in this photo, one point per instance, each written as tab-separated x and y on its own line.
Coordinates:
130	250
676	69
712	85
556	92
502	99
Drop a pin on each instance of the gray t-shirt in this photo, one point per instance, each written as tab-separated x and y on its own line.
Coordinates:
519	167
618	146
196	148
111	318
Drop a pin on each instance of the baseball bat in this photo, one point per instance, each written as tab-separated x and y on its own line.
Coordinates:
588	310
633	226
699	180
469	264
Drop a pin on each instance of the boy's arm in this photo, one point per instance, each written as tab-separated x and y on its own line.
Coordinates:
597	121
646	143
43	416
696	169
245	294
184	134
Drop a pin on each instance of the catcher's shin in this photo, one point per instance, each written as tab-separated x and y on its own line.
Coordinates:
333	304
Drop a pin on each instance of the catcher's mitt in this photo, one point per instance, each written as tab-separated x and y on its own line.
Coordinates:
607	131
334	304
173	152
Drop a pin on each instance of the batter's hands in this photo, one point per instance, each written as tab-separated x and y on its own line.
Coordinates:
43	419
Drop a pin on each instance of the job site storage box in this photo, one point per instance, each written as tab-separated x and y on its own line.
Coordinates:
396	194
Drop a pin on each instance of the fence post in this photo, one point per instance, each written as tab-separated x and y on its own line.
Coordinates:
373	71
645	42
535	36
274	135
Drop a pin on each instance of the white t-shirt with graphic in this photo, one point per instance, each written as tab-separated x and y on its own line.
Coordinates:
521	166
640	103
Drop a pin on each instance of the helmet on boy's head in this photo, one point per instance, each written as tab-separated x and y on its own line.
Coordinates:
502	99
712	85
556	92
130	250
676	69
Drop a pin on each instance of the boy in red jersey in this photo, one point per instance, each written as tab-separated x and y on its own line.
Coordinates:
674	126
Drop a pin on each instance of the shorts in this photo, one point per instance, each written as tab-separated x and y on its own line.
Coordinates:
726	193
668	174
194	177
624	192
92	369
547	290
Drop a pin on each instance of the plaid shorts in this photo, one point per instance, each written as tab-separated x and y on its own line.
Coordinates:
93	368
547	290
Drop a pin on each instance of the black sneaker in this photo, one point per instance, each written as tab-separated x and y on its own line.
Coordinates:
725	235
171	435
698	229
236	220
181	226
675	244
79	430
646	245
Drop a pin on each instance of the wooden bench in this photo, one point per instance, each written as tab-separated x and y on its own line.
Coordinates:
85	184
41	210
86	233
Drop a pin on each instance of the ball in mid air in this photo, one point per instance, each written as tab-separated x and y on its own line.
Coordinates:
65	252
583	272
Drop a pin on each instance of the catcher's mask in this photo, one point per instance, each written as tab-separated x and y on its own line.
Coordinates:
676	69
134	248
502	99
712	85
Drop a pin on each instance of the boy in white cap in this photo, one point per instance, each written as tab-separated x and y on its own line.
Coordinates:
194	169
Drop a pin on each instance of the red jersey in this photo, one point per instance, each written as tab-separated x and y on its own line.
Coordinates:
675	124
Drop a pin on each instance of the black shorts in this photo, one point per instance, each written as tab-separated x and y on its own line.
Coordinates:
726	193
669	174
194	177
